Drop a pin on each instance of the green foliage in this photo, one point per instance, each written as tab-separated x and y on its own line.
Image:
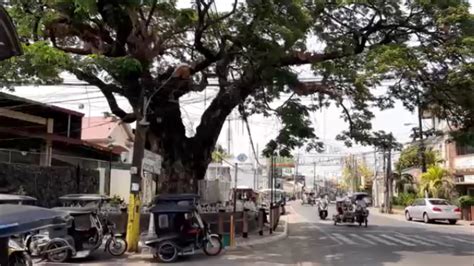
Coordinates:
219	154
40	64
424	48
438	182
466	201
410	157
404	199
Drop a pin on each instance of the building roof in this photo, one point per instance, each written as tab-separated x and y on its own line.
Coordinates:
25	105
99	128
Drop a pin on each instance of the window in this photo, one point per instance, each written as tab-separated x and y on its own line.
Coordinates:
163	221
464	149
438	202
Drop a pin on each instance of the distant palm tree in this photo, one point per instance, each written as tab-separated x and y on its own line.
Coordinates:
437	182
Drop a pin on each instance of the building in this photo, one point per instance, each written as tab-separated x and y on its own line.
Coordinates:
45	140
112	134
456	157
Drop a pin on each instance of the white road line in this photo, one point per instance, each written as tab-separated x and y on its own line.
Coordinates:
360	238
344	239
459	240
398	240
418	241
380	240
436	242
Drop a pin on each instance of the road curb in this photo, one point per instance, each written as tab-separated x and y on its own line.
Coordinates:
264	240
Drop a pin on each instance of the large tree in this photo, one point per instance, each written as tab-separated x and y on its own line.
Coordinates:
137	48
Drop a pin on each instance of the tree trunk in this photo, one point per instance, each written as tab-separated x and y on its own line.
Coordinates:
185	159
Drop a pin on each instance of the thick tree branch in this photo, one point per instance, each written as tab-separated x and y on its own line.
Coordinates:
108	91
150	15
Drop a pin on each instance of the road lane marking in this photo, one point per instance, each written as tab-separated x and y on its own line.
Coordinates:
380	240
417	241
436	242
344	239
363	239
398	240
459	239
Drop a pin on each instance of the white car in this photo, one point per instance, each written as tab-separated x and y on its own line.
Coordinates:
432	209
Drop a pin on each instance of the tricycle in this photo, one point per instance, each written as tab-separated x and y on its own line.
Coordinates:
351	210
179	229
85	234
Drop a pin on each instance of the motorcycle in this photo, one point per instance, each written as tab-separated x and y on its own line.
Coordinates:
17	255
361	215
323	210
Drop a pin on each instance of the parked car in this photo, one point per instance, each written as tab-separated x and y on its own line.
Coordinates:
432	209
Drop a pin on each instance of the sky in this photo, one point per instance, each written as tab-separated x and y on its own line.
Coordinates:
327	122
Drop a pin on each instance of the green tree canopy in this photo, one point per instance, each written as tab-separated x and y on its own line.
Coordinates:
410	157
134	48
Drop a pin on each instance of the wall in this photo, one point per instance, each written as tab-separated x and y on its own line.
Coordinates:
120	184
47	183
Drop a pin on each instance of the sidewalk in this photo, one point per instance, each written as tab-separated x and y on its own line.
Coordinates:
400	215
255	239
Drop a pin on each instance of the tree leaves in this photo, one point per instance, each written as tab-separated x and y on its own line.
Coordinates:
364	54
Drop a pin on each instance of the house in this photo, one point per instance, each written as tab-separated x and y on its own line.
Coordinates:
456	157
108	132
112	134
41	142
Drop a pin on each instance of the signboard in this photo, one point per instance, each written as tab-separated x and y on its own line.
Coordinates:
242	157
151	162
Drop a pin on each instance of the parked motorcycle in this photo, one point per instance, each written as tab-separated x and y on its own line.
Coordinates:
85	234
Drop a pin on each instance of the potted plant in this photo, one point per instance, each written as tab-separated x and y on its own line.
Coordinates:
467	205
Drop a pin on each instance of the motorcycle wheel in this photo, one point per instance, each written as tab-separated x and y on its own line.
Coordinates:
167	252
116	246
20	258
366	221
213	246
58	257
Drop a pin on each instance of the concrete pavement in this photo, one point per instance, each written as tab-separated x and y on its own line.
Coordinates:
385	242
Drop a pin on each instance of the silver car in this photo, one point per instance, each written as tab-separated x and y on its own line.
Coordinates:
431	209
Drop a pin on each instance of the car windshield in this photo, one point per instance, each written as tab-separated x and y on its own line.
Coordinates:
439	202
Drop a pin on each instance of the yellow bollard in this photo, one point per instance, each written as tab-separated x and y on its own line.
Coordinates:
133	224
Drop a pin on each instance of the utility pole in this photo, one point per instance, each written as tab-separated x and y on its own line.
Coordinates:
271	193
133	224
235	185
229	137
314	175
389	181
296	174
422	143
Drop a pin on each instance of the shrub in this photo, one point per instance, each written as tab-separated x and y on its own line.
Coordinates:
466	201
404	199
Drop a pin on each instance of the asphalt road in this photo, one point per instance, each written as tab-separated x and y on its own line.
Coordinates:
386	241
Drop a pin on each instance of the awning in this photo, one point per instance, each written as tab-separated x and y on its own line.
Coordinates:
9	43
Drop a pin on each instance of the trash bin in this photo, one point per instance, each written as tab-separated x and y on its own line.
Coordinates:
226	239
